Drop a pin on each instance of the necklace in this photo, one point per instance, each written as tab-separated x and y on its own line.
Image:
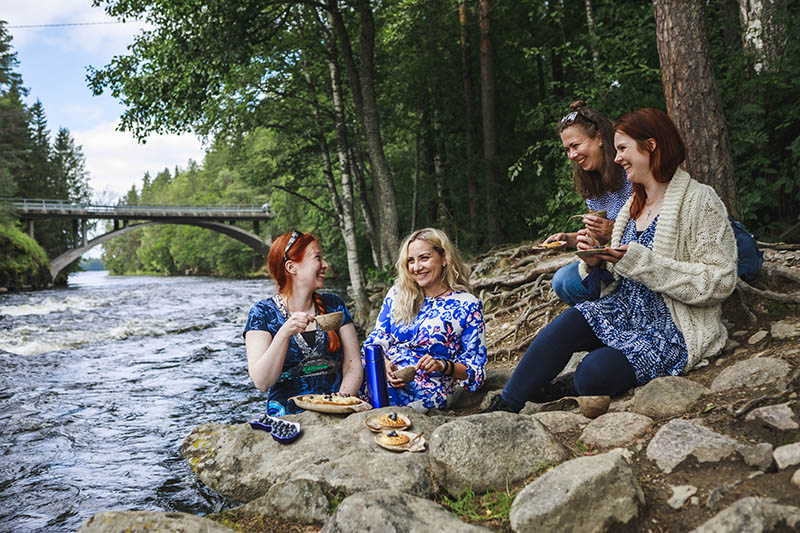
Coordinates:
444	291
651	206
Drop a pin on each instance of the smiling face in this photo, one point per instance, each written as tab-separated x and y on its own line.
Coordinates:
310	271
426	266
585	151
632	158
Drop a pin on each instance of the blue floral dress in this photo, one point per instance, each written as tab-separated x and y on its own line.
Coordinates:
635	320
308	368
449	327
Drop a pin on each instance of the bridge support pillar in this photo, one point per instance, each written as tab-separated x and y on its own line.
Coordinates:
255	227
83	231
75	231
30	228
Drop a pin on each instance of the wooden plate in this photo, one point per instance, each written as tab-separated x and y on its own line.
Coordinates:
373	424
583	254
303	402
416	446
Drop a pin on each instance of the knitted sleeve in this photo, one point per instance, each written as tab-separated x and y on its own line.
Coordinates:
703	271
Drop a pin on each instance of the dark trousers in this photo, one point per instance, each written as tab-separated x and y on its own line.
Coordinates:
604	370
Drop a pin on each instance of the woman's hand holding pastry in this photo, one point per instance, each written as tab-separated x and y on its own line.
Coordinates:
614	254
556	237
587	242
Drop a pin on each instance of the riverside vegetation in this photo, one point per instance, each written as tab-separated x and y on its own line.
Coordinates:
712	450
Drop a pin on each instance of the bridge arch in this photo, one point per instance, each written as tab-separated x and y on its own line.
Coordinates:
250	239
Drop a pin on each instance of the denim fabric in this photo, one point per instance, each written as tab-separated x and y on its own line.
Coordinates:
568	286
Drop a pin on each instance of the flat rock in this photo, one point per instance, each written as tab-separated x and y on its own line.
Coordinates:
587	494
787	455
115	521
393	511
751	373
517	444
299	500
785	329
680	494
757	337
678	439
561	421
752	515
615	429
243	464
778	416
667	396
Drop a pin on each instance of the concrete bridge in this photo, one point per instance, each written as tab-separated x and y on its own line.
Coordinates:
130	217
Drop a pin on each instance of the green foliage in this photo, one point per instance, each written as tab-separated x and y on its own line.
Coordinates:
23	263
492	505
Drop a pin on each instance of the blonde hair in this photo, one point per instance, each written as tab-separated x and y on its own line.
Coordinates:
409	296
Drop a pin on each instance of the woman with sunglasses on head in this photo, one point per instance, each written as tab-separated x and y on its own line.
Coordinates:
287	353
670	265
430	321
588	140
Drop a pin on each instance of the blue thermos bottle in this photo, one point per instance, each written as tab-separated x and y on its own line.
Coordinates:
375	371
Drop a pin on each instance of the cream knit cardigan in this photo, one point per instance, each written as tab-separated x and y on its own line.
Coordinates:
692	263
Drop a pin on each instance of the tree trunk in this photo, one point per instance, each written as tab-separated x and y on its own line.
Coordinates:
693	101
763	31
593	40
469	114
362	86
366	211
494	234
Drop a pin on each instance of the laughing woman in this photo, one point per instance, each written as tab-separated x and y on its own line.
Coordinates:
670	265
287	353
430	320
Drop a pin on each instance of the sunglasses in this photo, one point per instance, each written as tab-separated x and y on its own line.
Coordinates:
570	118
295	235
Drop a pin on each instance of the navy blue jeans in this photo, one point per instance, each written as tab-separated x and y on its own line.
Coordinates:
568	286
604	370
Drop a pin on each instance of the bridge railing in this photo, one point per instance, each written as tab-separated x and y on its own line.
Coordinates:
60	205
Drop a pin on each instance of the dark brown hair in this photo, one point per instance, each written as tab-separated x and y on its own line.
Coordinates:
277	269
593	184
669	152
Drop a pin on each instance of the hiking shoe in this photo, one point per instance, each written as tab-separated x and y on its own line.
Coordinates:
557	389
499	404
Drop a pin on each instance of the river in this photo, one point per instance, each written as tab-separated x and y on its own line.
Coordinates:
100	383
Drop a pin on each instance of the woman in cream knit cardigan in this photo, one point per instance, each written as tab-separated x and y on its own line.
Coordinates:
659	286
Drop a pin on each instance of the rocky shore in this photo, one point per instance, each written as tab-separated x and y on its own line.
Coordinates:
715	450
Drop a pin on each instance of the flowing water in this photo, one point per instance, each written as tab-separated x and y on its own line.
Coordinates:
101	382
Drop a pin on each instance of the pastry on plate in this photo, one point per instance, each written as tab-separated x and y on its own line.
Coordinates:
393	438
331	399
391	420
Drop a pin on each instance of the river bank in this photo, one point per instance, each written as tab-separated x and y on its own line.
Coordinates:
23	263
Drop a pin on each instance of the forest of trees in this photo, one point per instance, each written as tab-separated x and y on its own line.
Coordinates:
33	163
362	120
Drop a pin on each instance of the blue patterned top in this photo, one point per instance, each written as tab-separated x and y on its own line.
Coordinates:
612	202
317	372
449	327
635	320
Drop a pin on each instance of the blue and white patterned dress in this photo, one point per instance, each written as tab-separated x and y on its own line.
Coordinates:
449	327
612	201
635	320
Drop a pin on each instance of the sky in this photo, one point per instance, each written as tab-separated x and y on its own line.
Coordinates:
53	64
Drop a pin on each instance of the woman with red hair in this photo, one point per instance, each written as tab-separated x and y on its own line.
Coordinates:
656	308
287	353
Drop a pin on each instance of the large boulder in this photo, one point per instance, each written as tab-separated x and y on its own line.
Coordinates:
751	373
342	457
613	430
518	446
394	511
754	515
587	494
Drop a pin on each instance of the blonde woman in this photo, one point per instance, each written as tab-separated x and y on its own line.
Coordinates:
430	320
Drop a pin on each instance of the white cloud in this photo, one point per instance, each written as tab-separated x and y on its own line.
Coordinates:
116	161
100	38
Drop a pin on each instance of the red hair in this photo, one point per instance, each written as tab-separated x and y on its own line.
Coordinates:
277	269
669	151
